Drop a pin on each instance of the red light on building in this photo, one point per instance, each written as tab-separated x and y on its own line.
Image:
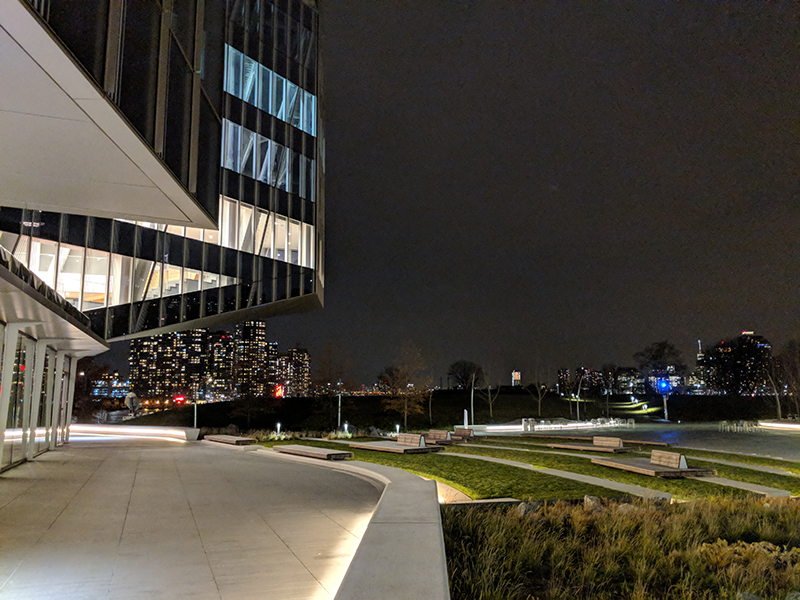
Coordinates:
179	399
279	391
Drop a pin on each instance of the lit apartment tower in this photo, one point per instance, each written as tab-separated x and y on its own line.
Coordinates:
161	170
299	381
220	381
165	365
253	359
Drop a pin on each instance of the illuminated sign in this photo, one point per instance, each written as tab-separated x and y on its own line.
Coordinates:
516	377
279	391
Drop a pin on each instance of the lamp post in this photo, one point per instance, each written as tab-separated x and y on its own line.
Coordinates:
663	387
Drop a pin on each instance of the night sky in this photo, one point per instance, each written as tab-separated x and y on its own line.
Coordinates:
556	182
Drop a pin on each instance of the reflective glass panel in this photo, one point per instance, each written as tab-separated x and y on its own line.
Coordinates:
250	79
172	280
210	281
120	279
43	260
95	279
293	242
265	231
70	268
265	157
142	274
191	281
227	223
280	237
194	233
278	90
245	228
233	67
247	155
21	251
265	91
230	145
308	245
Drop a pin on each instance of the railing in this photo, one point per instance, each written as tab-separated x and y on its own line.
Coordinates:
42	7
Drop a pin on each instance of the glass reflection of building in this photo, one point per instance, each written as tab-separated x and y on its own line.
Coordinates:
190	193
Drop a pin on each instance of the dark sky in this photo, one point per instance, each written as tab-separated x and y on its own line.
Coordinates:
557	181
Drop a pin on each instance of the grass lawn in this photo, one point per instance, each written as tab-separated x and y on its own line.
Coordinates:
476	478
683	489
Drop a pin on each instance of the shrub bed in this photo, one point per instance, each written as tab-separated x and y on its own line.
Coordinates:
715	548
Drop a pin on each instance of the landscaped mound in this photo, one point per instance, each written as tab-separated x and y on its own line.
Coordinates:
705	549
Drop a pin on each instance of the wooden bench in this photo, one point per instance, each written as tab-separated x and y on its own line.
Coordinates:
669	465
414	440
462	433
313	452
599	444
440	437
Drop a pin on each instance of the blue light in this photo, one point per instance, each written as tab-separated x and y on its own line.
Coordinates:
663	385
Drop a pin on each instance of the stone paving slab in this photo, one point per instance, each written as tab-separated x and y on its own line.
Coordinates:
750	487
155	519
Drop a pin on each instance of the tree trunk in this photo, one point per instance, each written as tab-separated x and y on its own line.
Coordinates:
430	410
405	413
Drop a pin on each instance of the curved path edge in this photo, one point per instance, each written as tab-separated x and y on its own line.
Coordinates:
401	554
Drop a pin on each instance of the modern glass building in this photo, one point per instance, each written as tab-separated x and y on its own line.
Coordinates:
161	169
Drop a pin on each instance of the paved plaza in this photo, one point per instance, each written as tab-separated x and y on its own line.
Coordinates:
160	519
707	436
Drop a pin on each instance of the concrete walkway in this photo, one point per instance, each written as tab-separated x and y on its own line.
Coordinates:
158	519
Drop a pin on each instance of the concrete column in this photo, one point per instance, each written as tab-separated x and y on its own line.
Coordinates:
73	368
57	396
27	392
48	401
9	350
38	376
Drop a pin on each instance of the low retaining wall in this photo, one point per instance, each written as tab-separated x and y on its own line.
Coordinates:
401	554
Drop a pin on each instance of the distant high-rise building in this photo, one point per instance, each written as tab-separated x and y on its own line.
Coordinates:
110	386
300	375
741	365
169	364
254	354
220	372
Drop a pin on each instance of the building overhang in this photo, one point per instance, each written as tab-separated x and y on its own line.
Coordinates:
26	300
65	147
301	304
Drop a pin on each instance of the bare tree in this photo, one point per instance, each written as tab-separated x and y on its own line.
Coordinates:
538	387
789	360
488	394
406	383
463	372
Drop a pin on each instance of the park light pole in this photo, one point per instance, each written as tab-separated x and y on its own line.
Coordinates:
663	387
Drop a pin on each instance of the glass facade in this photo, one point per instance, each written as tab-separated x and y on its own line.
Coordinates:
227	95
133	276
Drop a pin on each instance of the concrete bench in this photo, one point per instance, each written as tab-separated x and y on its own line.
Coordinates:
670	465
313	452
599	444
233	440
407	443
439	437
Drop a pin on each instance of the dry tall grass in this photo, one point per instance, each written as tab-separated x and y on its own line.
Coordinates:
700	550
